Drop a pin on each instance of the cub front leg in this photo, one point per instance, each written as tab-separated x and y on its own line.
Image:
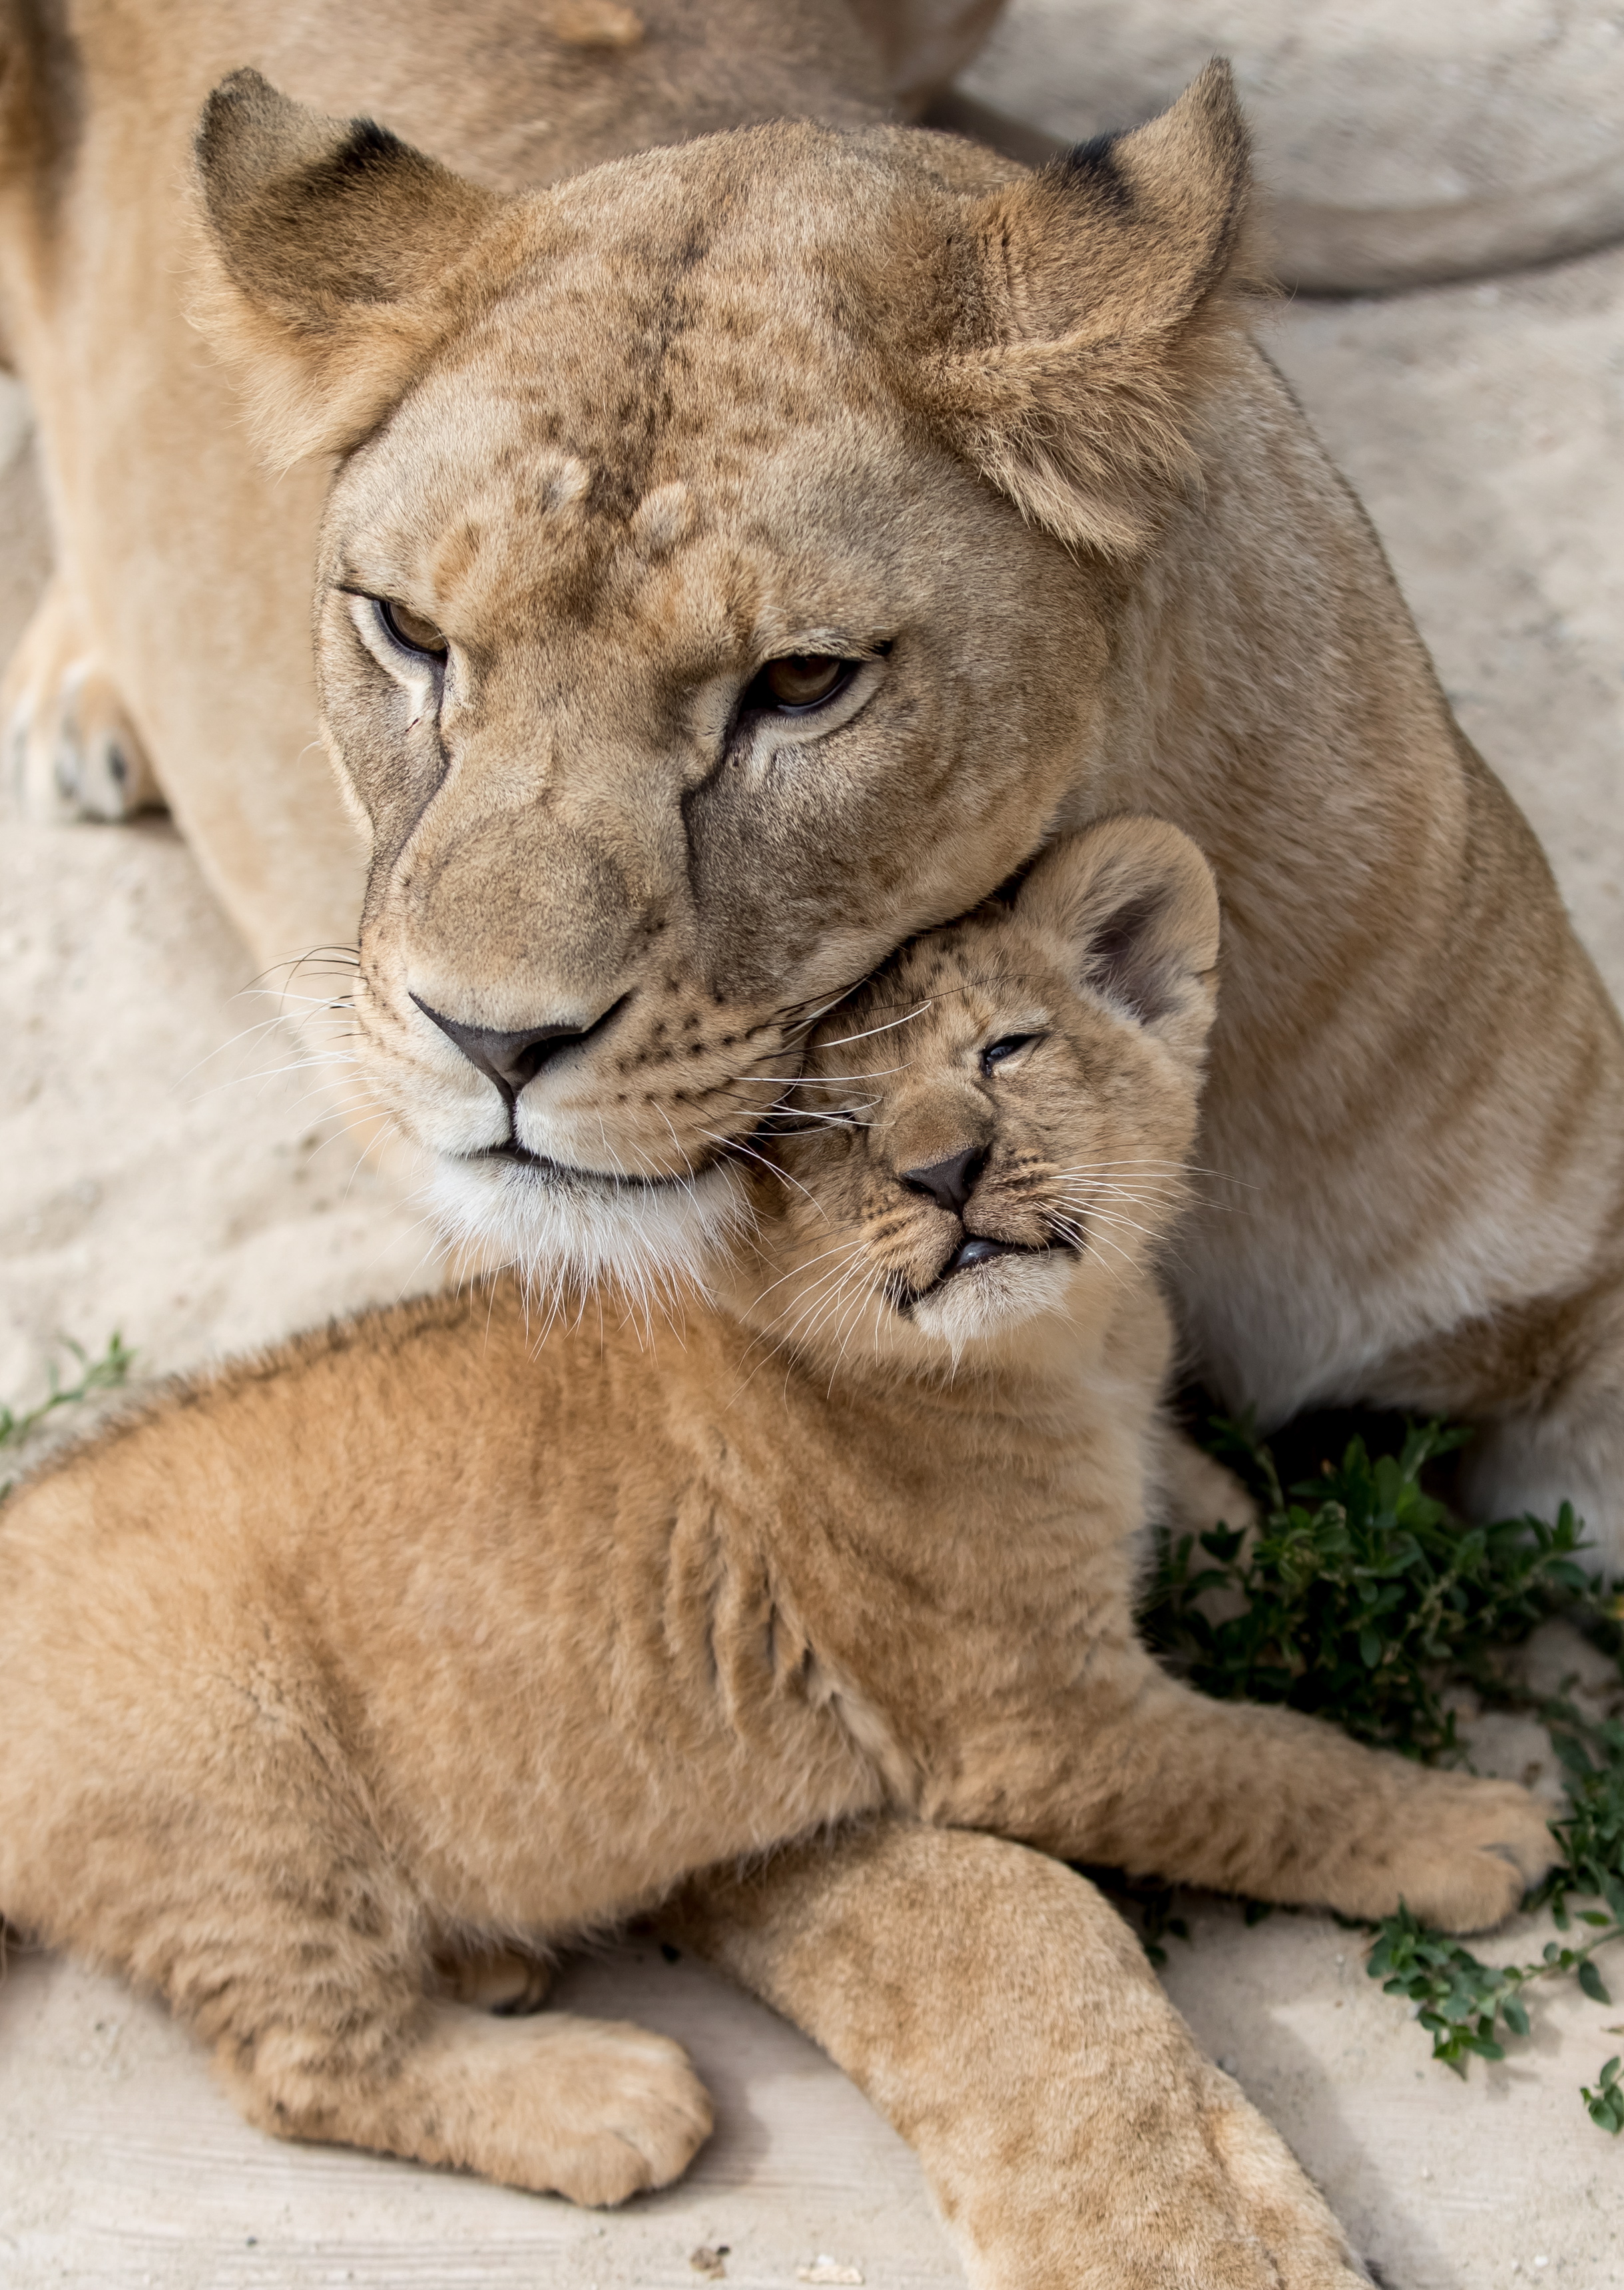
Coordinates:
594	2109
1278	1806
999	2011
208	1836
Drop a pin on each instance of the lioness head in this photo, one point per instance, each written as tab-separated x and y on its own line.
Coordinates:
994	1126
717	587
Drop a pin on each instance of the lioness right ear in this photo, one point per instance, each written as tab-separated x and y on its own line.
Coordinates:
1085	308
333	262
1132	908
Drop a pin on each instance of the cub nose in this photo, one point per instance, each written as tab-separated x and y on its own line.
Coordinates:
513	1059
950	1182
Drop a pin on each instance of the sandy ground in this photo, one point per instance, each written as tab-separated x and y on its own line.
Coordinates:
149	1185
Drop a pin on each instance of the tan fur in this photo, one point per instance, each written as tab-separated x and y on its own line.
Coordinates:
999	2011
447	1626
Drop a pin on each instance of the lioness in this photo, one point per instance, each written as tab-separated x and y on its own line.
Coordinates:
763	543
744	555
434	1628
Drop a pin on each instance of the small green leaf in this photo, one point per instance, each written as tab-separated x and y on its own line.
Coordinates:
1590	1979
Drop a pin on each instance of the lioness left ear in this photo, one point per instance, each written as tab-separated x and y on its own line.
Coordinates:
1132	909
333	262
1087	309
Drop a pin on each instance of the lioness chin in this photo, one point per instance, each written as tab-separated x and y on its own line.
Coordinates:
438	1629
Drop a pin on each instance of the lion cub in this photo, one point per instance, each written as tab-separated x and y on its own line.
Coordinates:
428	1632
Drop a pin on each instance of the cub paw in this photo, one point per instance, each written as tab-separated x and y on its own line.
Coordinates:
74	751
1300	2244
1464	1852
637	2116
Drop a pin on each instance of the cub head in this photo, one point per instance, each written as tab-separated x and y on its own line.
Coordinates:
718	586
995	1128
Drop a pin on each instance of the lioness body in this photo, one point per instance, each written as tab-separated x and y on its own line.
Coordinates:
437	1629
1417	1114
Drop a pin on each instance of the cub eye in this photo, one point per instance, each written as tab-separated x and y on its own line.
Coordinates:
411	630
996	1052
800	682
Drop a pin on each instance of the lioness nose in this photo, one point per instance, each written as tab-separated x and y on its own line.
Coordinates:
513	1059
950	1182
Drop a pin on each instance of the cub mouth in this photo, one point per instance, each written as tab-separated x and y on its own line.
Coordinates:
975	1250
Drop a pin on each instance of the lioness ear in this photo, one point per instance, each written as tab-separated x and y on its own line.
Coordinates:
336	251
1089	311
1132	909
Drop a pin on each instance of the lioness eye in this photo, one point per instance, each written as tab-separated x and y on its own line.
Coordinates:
994	1054
799	681
410	629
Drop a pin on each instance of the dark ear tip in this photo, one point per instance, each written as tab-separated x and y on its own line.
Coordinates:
244	100
245	82
240	92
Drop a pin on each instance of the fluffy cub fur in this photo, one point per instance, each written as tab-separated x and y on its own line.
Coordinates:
436	1630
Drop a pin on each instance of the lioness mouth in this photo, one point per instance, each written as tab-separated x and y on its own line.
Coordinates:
560	1172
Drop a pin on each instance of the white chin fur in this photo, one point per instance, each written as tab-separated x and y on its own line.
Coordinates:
993	1295
564	1237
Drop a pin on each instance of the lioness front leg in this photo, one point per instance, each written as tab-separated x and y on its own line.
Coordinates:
1283	1807
74	754
999	2013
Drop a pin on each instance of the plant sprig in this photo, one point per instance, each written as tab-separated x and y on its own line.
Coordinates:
1606	2101
1358	1596
1460	2000
106	1372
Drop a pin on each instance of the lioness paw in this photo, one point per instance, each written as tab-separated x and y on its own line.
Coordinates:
73	752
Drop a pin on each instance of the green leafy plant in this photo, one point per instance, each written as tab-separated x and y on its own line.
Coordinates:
106	1372
1460	2000
1606	2101
1359	1596
1591	1833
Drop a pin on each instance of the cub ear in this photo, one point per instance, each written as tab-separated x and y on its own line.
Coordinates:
333	261
1132	908
1088	309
